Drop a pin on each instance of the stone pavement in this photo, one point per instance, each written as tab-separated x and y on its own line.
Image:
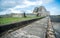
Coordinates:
33	30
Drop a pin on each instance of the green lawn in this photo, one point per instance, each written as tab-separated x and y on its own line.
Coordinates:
15	19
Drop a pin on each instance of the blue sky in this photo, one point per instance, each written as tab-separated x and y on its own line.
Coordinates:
18	6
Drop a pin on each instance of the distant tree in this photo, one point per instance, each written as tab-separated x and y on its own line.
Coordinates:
24	15
37	14
0	17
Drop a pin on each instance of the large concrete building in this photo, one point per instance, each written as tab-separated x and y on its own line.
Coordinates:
41	10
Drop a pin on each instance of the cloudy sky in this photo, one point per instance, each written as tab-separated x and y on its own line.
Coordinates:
18	6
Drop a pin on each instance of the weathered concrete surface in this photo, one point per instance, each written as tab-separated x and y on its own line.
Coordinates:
34	30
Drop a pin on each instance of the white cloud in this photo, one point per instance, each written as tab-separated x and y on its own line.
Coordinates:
20	6
15	11
5	12
8	3
47	1
54	11
28	11
10	10
29	3
37	2
23	4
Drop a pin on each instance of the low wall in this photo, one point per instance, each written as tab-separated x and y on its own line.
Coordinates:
7	27
50	31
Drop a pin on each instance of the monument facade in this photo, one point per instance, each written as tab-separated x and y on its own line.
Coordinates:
41	10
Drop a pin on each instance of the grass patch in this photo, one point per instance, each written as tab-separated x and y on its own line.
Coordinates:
15	19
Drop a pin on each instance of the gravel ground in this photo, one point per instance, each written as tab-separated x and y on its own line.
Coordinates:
34	30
